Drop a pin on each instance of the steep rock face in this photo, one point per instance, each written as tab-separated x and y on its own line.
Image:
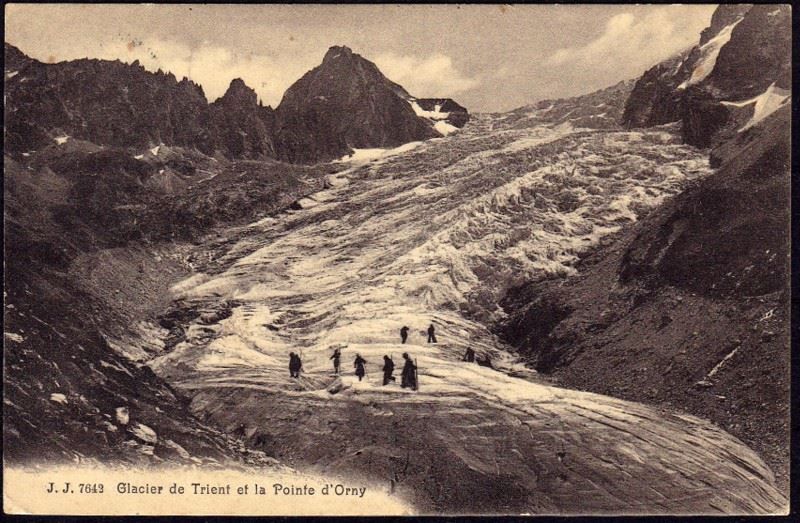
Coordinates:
757	55
242	127
744	53
751	78
724	15
108	103
344	103
120	105
655	99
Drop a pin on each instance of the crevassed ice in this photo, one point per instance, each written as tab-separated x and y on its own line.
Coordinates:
431	233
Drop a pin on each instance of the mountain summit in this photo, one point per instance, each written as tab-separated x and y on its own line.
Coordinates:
344	103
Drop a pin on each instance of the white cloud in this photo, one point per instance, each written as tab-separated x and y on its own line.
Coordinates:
431	76
635	41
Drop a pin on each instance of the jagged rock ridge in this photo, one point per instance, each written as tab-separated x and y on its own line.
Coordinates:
344	103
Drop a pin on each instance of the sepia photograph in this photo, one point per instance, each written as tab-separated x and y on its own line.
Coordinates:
298	260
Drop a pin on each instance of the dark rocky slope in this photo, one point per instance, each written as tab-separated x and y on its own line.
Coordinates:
601	109
84	264
690	307
344	103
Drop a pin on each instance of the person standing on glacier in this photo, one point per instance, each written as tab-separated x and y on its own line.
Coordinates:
469	356
403	334
409	376
431	334
388	369
337	355
359	365
295	364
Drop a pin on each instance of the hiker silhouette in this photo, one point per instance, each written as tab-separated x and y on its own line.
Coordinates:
337	355
409	376
359	365
295	364
431	334
388	369
403	334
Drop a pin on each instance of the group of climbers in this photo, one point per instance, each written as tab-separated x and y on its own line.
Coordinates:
431	334
408	377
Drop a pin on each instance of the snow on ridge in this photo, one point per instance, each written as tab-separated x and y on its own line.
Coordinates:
61	140
436	114
766	103
709	52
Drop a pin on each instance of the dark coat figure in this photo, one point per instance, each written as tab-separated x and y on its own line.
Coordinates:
431	334
409	376
403	334
388	369
485	361
294	365
469	356
359	365
337	355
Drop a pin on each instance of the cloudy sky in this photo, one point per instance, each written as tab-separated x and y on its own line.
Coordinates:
489	58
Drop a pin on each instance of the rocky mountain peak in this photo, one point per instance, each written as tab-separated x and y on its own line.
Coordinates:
723	16
239	93
338	51
345	103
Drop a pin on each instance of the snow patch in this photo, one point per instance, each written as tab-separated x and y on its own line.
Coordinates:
14	337
139	156
363	156
58	398
12	74
709	52
154	150
61	140
445	128
767	103
436	114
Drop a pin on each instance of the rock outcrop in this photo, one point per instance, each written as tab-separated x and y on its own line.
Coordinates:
239	126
